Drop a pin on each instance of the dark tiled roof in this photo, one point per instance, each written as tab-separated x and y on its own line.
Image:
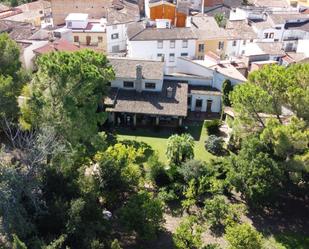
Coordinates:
137	32
298	25
204	90
16	30
152	103
126	68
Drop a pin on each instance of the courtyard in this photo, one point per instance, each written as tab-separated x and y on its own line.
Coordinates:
157	139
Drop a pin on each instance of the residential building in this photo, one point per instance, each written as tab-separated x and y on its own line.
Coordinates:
167	10
86	32
37	13
61	45
302	4
210	37
96	9
211	3
116	27
166	44
139	95
240	34
142	94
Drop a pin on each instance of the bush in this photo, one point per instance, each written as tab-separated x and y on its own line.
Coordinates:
191	169
243	236
214	144
156	171
212	126
167	195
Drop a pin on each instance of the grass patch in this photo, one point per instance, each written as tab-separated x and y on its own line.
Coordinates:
158	139
292	241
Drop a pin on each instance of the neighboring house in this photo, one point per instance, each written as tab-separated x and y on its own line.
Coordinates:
210	37
166	44
96	9
37	13
302	4
116	28
167	10
140	96
88	33
61	45
240	34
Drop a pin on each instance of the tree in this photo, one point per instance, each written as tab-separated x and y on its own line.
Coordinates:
180	148
9	56
214	144
117	173
220	19
66	91
188	234
17	243
142	214
248	100
243	236
298	89
192	169
8	97
274	80
226	89
219	213
115	244
253	172
156	171
286	140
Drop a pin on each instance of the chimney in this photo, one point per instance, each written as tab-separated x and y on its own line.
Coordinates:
169	92
139	78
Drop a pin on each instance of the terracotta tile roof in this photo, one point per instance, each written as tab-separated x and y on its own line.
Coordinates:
17	30
59	45
152	103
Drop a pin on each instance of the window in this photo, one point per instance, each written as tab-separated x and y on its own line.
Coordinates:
69	24
234	43
172	57
221	45
201	47
276	40
189	100
200	57
160	44
198	103
159	55
251	40
172	44
184	43
184	54
244	42
278	28
88	40
76	38
150	85
115	36
271	35
128	84
243	52
265	35
100	38
114	26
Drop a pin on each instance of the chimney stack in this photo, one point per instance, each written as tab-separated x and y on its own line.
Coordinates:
169	92
139	78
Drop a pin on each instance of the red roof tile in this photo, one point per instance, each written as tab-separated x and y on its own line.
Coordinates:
59	45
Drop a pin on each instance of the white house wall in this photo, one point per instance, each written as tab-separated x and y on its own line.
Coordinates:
121	41
149	50
216	102
28	55
189	67
238	49
220	78
118	82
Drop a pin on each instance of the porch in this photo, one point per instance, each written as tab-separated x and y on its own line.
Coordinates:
122	119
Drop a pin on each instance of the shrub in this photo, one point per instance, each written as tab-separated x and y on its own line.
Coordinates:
167	195
191	169
156	171
212	126
214	144
243	236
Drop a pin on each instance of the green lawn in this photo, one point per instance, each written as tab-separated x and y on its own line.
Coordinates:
158	139
287	241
